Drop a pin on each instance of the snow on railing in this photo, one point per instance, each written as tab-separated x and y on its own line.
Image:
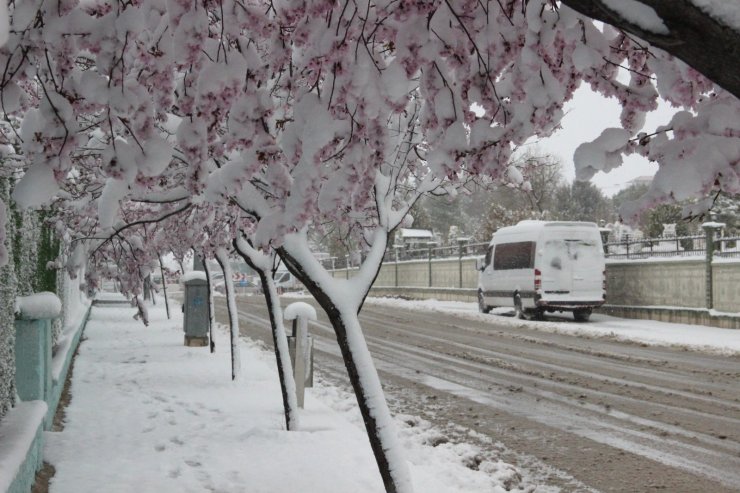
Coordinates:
629	247
663	246
671	246
402	254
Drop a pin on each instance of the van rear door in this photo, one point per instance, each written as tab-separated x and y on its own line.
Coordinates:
573	263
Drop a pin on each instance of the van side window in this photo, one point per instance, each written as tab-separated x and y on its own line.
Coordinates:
518	255
489	254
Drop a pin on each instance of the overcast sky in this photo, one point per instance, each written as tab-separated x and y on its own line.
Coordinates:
587	115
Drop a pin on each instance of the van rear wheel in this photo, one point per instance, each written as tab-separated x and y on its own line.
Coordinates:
519	312
582	314
482	307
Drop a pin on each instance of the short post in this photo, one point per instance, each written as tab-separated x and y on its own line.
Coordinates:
301	346
396	268
430	266
346	265
34	313
627	242
710	230
459	262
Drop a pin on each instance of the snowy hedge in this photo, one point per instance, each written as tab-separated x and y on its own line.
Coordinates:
29	247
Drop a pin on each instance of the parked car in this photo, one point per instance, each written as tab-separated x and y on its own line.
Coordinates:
539	266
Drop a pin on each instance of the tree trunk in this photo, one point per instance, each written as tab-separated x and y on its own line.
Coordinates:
164	287
365	382
211	311
147	289
223	260
280	343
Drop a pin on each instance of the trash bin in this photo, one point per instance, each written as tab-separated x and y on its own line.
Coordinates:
196	311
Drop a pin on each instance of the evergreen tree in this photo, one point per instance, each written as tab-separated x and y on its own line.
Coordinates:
582	201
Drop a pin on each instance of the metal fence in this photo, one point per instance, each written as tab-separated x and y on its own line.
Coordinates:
464	250
402	254
626	248
671	246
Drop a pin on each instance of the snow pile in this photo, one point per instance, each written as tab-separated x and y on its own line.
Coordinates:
299	309
38	306
438	462
17	432
171	419
638	14
693	337
193	274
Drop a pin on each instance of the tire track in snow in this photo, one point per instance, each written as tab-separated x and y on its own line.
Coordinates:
456	374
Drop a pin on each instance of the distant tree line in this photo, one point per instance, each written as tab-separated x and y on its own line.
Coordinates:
484	209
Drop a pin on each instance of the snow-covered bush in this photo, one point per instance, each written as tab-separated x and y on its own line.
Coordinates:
24	273
8	286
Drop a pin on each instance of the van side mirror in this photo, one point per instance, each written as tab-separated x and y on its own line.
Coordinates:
480	264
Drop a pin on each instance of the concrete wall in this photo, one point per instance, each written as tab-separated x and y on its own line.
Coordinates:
726	286
415	273
671	282
659	283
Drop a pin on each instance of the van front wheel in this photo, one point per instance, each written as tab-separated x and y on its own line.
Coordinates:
582	314
482	307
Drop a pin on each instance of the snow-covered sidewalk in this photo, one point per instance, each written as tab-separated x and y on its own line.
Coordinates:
151	415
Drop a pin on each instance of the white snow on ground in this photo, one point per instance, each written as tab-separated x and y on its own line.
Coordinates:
149	414
695	337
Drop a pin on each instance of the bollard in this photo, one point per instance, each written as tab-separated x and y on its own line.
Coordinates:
302	346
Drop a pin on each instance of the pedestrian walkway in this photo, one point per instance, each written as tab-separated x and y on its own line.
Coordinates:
148	414
151	415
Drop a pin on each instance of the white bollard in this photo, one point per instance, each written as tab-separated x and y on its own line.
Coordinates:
300	313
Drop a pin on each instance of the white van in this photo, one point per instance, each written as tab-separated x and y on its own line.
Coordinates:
539	266
286	281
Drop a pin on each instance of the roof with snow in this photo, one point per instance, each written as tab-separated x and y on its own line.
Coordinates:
416	233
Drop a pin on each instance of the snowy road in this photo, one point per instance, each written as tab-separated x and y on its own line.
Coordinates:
574	412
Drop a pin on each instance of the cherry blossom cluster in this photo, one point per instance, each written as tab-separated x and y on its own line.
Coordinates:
287	112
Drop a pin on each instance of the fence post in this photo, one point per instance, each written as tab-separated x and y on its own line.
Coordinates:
430	266
346	265
459	261
709	231
396	269
627	243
